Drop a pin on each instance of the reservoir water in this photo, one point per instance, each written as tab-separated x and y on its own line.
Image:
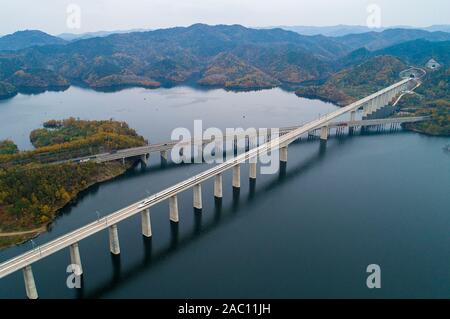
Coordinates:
309	231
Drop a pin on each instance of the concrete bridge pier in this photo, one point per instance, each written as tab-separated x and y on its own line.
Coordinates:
253	170
30	286
375	105
218	186
164	156
145	159
146	223
237	176
114	245
173	209
367	108
198	196
324	133
75	259
284	154
384	100
352	119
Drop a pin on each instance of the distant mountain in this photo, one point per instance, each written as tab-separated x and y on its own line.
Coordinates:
28	38
379	40
331	31
442	28
342	30
88	35
419	52
226	55
171	56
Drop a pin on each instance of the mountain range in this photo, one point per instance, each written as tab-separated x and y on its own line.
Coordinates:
230	56
341	30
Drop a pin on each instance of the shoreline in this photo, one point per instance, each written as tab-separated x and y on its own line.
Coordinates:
26	235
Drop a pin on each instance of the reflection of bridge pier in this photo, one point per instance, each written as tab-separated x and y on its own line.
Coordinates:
288	136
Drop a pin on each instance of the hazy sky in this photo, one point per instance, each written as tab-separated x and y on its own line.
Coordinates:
51	15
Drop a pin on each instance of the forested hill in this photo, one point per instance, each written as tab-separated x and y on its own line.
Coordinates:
172	56
226	55
31	192
28	38
355	82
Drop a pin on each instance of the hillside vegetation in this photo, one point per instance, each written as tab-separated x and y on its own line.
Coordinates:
71	138
432	98
227	71
173	56
357	82
32	193
7	90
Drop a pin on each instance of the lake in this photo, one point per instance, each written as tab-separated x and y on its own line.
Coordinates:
309	231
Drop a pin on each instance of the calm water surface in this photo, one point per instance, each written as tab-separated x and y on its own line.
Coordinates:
309	231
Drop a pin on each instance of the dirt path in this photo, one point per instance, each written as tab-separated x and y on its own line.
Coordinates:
19	233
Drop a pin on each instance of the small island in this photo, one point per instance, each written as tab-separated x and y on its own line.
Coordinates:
32	190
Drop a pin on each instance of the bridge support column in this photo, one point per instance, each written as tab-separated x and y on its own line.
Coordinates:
237	176
218	186
164	155
144	159
366	108
146	223
30	286
198	196
173	209
75	259
114	245
381	102
284	154
324	133
253	170
374	105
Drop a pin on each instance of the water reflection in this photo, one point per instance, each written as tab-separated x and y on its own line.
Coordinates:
116	262
217	209
198	215
252	188
174	235
200	229
236	196
148	248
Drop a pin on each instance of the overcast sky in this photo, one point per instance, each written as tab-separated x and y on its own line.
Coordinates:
51	15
